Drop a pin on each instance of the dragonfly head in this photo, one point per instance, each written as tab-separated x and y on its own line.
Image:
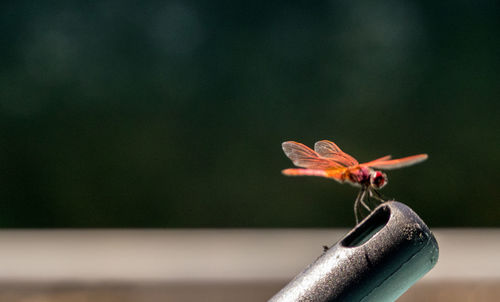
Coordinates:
378	179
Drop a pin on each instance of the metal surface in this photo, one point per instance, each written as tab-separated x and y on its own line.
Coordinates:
377	261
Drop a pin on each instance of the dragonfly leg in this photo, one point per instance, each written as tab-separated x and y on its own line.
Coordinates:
356	205
361	200
376	194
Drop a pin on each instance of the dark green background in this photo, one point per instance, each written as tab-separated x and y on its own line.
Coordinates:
171	114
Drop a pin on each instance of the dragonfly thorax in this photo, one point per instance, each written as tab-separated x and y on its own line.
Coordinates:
366	177
360	176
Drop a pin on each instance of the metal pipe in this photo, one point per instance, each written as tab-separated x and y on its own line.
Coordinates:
378	260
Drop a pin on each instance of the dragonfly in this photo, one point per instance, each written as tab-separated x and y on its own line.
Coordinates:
328	160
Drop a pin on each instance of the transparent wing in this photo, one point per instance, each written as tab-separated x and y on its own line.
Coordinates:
384	158
396	163
387	157
304	157
328	149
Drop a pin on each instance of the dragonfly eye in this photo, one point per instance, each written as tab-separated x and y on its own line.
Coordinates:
378	179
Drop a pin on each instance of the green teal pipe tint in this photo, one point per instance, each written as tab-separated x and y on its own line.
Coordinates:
378	260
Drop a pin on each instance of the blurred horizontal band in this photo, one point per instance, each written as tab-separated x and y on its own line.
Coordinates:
199	255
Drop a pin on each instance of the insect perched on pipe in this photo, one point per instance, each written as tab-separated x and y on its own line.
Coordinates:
327	160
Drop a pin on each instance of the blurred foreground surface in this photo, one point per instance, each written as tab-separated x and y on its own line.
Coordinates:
214	265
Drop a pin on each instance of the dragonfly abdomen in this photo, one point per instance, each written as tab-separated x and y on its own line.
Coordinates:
306	172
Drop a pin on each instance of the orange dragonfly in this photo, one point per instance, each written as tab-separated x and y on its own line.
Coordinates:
327	160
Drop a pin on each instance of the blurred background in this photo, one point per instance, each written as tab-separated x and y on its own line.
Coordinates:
171	114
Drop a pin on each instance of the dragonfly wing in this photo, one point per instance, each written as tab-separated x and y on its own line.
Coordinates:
396	163
304	157
330	150
387	157
384	158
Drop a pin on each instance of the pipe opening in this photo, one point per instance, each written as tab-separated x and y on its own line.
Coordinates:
375	222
